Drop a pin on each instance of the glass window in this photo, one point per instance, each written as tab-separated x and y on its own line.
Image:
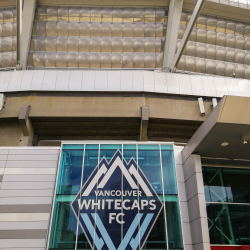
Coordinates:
149	162
108	150
173	222
213	179
73	146
129	151
240	219
220	230
237	184
168	169
157	237
63	233
90	160
69	180
229	223
78	162
226	185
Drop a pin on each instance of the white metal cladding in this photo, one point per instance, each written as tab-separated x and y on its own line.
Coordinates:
26	191
216	46
7	37
97	37
120	81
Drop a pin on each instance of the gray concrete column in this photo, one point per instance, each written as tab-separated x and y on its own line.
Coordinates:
196	204
144	124
26	125
185	222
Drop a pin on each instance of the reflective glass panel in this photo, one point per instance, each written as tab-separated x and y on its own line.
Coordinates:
157	237
173	222
229	224
226	185
206	187
63	231
240	220
70	172
149	162
129	151
73	146
237	184
78	161
220	230
90	160
108	150
168	169
214	180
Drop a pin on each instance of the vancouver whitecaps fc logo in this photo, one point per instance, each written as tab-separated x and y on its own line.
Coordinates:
117	206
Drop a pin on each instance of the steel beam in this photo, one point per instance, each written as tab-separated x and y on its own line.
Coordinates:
144	124
28	19
187	33
174	17
18	32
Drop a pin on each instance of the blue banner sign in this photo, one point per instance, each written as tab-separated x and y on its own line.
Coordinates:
117	206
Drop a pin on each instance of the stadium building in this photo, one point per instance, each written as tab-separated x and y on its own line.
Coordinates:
124	125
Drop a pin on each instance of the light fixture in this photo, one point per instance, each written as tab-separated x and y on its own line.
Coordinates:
224	144
245	138
201	106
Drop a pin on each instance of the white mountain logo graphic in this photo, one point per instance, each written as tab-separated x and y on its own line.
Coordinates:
117	206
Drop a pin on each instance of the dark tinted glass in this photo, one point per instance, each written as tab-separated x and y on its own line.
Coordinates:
240	219
229	224
63	233
237	184
157	237
214	188
220	231
226	185
173	223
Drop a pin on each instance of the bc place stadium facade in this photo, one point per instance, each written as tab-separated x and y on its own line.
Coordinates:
124	125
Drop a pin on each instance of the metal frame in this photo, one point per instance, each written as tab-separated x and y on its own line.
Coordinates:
29	9
163	197
19	32
186	35
174	17
77	227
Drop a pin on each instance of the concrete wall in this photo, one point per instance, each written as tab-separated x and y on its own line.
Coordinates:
27	178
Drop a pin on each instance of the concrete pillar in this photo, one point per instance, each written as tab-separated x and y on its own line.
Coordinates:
186	232
26	125
193	181
144	124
